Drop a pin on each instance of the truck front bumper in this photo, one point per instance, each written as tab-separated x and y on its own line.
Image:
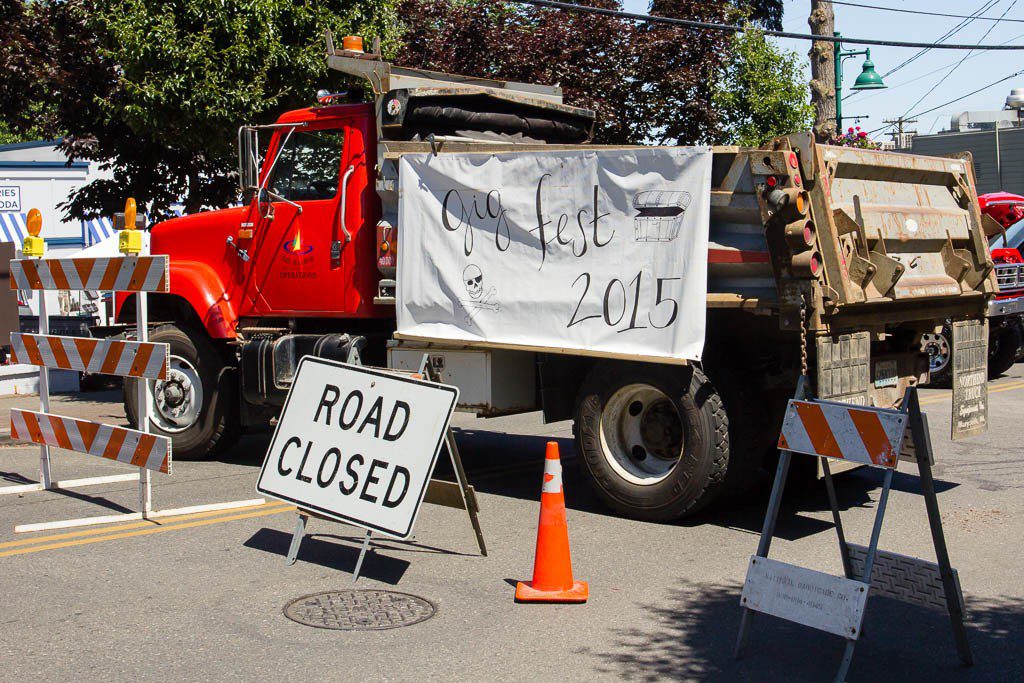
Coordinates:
998	307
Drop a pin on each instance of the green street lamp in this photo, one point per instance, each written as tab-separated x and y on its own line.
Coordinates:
867	80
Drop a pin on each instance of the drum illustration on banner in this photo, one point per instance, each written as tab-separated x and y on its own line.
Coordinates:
593	250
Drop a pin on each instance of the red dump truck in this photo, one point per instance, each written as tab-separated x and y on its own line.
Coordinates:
828	261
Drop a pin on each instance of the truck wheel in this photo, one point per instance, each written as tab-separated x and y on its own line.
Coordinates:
1003	343
654	440
195	406
939	347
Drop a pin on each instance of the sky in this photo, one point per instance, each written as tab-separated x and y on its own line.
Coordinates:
932	78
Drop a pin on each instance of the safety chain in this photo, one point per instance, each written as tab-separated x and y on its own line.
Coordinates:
803	335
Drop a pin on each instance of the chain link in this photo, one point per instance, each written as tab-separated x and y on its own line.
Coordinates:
803	335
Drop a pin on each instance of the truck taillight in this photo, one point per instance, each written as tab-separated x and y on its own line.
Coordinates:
806	264
387	247
800	235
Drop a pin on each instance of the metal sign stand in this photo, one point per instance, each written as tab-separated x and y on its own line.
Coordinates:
904	578
458	494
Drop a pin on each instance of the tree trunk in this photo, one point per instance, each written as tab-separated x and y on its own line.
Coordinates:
823	74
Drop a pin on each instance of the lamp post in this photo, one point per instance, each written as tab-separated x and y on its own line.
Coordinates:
867	80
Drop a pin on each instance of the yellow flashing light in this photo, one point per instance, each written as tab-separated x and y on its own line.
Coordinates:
34	245
129	240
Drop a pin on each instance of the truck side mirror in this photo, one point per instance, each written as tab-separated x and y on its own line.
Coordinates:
248	160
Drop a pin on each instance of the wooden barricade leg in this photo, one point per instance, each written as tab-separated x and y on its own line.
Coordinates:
833	502
44	394
954	605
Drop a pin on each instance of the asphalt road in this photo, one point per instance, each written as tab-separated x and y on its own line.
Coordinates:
200	598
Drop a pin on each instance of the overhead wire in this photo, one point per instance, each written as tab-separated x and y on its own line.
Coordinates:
921	12
948	34
952	101
957	66
734	28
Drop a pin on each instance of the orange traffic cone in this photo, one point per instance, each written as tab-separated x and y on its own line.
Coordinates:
552	566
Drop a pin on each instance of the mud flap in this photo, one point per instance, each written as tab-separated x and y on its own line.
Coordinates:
970	378
844	372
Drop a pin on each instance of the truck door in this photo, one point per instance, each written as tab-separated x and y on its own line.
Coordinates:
318	172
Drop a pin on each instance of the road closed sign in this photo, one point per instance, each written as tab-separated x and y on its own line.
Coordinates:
357	444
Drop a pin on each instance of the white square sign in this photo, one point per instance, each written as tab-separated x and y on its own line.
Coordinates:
10	198
357	444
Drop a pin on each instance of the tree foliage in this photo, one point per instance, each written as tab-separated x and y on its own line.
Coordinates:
647	83
155	89
761	93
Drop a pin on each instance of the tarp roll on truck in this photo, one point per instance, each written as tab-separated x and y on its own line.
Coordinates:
826	260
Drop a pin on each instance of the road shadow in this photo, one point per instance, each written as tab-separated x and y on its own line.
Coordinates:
333	552
691	635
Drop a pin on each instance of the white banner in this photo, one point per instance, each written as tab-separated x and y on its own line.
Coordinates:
590	250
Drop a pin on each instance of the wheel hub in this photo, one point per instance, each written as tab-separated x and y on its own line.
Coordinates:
642	435
937	348
179	398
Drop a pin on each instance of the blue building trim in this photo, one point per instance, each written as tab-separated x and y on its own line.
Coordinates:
32	144
65	242
42	164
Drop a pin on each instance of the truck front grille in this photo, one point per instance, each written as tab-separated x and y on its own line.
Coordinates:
1010	276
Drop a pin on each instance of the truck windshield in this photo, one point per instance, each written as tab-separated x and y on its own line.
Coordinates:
308	167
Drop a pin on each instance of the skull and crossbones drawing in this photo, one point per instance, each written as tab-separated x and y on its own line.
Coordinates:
479	299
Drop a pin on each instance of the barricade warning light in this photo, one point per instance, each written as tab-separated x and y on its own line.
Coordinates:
34	245
129	240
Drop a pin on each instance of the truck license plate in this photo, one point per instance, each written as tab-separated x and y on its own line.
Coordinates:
886	374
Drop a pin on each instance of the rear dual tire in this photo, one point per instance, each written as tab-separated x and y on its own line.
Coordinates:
654	440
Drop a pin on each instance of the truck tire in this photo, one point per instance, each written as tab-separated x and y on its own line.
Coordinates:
654	440
196	406
1003	343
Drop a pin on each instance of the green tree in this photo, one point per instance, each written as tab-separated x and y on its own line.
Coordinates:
156	89
760	93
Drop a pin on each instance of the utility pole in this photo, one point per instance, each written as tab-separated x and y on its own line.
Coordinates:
822	21
899	135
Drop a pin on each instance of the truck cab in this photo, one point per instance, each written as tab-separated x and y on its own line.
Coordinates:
306	264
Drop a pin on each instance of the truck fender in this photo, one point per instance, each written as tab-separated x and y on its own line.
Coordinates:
198	287
204	291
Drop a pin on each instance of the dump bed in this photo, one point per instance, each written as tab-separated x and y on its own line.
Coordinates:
863	237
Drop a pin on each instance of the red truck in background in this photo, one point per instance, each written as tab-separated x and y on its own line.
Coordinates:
1004	222
825	261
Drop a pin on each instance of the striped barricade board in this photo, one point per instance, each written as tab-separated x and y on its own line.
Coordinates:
104	356
869	436
113	273
125	445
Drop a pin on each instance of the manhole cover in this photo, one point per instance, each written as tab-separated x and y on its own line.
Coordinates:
359	610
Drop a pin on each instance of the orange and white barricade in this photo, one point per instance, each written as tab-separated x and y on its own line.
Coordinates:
877	438
142	359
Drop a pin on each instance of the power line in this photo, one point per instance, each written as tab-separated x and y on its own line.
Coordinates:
948	34
957	66
860	94
957	99
914	11
732	28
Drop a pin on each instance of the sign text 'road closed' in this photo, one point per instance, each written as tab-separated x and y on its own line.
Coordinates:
357	444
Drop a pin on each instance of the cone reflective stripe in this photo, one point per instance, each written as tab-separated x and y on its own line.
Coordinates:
117	274
552	566
94	438
104	356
